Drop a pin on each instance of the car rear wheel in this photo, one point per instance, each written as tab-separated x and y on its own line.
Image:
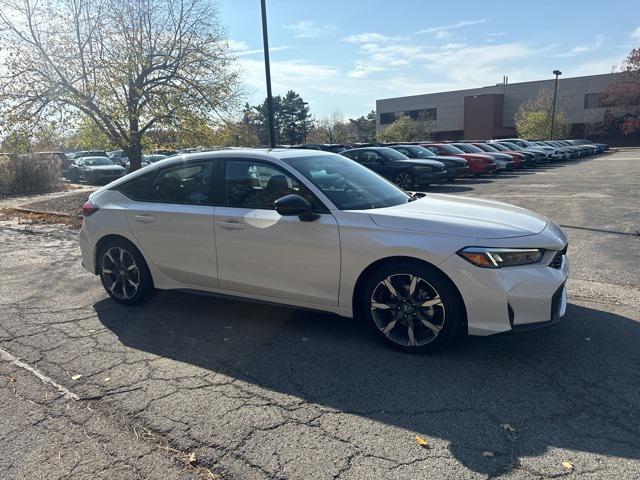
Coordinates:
404	180
412	307
124	272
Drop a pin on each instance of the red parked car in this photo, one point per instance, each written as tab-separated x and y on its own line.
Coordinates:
518	158
478	163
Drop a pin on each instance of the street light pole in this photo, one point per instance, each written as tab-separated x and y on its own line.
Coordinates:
557	73
267	71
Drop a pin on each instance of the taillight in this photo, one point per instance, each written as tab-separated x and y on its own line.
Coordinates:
89	208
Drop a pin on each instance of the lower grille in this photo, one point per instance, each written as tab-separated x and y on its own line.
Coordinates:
556	303
557	259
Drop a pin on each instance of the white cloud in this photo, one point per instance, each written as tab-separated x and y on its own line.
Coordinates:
635	35
446	28
493	36
370	37
597	42
242	49
309	29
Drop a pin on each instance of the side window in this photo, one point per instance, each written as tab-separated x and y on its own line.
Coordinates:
138	188
188	183
250	184
370	157
402	151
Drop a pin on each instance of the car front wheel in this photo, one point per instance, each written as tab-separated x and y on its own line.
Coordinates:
404	180
413	307
124	273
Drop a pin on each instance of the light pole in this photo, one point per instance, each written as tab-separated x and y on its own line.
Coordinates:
267	71
557	73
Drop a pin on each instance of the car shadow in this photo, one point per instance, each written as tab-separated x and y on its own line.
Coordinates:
573	386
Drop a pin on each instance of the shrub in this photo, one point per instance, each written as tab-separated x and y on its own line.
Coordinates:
28	174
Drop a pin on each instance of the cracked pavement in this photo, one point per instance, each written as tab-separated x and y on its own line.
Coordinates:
261	391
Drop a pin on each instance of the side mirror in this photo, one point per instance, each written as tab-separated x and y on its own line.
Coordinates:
294	205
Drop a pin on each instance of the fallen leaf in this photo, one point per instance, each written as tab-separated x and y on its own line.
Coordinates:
508	427
487	453
12	380
568	465
422	442
192	458
76	376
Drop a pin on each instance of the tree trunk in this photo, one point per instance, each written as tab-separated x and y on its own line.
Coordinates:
134	152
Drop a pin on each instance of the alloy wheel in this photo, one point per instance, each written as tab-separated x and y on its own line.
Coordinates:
408	310
403	180
120	273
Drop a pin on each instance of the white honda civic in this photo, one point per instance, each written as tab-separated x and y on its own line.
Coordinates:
317	230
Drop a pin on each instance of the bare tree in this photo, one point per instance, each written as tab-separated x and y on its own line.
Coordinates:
128	65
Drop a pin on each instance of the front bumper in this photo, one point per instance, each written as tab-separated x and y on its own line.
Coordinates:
513	298
431	177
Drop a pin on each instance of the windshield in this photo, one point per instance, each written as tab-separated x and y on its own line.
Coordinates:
421	152
512	146
393	154
349	185
450	149
469	148
499	147
97	161
487	148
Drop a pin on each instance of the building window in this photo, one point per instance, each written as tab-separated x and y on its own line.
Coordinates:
422	115
592	100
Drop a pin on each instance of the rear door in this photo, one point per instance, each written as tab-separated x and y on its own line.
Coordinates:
262	253
174	223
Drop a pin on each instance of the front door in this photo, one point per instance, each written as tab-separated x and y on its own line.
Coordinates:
265	254
174	223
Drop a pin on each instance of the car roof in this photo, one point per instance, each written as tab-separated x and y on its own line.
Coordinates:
95	157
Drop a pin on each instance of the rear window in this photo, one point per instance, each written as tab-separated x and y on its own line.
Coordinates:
138	188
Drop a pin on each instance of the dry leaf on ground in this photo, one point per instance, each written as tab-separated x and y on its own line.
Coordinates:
422	442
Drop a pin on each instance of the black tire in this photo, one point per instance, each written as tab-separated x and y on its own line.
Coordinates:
124	276
404	179
446	314
73	176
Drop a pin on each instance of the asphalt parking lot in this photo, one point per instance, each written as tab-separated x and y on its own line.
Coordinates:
255	391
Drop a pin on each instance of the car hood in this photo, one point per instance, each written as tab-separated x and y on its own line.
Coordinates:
461	216
457	160
417	162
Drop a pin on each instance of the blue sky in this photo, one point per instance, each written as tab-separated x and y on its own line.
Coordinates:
343	55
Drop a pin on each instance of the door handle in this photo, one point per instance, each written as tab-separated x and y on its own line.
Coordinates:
144	218
231	225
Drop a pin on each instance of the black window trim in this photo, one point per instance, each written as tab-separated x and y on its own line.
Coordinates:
213	194
223	190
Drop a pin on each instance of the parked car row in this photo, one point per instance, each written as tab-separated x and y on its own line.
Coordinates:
419	164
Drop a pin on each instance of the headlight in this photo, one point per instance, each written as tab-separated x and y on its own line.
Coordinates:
486	257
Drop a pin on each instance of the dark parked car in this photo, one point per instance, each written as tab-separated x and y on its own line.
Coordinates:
325	147
455	166
88	153
95	170
400	169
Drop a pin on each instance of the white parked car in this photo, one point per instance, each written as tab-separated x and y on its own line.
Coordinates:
317	230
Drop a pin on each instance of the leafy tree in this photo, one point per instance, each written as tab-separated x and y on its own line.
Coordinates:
405	129
129	65
291	119
236	134
623	94
363	129
533	118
